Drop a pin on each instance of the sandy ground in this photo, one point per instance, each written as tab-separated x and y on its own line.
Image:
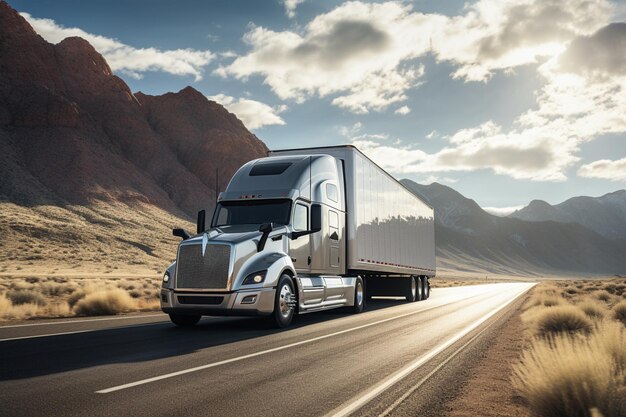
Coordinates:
489	393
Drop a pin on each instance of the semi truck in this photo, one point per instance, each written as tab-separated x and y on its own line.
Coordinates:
299	231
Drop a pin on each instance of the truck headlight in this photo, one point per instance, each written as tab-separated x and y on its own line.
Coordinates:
255	278
166	277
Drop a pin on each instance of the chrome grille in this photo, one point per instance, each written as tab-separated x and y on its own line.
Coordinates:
203	272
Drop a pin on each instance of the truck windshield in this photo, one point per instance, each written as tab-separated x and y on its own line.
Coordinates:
229	213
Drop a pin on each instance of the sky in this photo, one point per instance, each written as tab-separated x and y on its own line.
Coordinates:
505	101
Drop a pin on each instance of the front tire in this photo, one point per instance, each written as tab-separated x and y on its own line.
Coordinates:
284	302
183	320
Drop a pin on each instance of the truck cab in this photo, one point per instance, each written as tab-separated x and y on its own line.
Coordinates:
275	246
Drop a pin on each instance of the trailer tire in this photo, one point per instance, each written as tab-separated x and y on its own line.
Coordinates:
359	296
185	320
426	290
285	294
412	290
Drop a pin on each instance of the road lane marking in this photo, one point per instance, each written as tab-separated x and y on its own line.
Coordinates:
363	398
276	349
71	321
36	336
431	373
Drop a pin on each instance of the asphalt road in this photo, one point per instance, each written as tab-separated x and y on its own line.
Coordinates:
386	361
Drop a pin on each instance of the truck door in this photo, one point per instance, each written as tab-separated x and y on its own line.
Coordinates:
300	248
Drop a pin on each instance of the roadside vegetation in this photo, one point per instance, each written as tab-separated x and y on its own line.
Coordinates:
50	297
575	363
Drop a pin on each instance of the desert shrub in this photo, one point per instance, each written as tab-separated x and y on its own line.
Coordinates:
568	376
603	295
592	308
54	289
59	309
104	302
572	290
26	297
134	293
5	304
611	288
75	297
558	319
619	312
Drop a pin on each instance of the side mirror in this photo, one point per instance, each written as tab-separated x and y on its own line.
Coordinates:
315	222
316	218
181	233
265	228
200	224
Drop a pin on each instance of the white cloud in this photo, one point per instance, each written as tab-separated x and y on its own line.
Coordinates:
403	110
127	59
496	35
290	7
576	105
605	169
358	53
252	113
502	211
363	55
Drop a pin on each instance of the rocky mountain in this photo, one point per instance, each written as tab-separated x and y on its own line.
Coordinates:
75	137
468	238
605	215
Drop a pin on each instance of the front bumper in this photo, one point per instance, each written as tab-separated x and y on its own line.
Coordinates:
219	304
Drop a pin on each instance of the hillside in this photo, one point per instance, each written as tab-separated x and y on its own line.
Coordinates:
605	215
468	238
92	175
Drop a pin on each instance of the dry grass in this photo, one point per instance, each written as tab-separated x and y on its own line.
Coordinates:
576	363
54	296
560	319
105	302
593	309
568	376
619	312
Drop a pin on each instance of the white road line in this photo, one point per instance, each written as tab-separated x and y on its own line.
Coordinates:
263	352
71	321
363	398
430	374
36	336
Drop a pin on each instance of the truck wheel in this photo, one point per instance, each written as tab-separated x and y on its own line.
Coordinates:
412	290
284	302
359	296
426	291
183	320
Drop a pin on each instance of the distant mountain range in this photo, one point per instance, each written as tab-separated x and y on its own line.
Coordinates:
469	238
605	215
93	177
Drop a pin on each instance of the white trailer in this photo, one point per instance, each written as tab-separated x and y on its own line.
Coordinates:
299	231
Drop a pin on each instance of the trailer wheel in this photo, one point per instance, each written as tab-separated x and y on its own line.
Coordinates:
426	291
413	290
284	302
184	320
359	296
